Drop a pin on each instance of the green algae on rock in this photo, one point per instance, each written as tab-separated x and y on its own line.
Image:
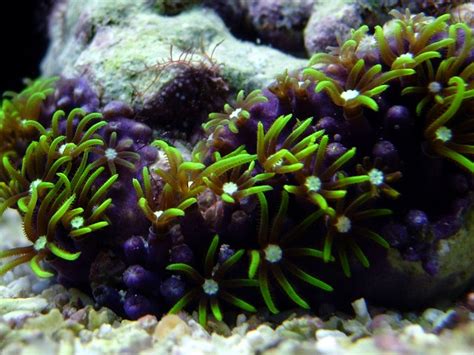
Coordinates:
120	55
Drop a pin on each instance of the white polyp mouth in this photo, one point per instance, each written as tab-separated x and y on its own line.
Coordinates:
434	87
210	287
40	243
235	114
444	134
301	84
34	185
343	224
273	253
313	183
158	214
62	148
230	188
110	153
406	56
376	177
77	222
278	163
349	95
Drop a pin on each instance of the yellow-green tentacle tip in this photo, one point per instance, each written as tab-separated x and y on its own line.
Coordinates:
38	270
63	254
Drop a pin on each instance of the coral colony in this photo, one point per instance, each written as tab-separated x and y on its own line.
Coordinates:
368	148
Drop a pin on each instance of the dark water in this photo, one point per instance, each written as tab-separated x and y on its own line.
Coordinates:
23	31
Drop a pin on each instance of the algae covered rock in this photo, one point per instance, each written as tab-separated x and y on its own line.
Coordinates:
124	51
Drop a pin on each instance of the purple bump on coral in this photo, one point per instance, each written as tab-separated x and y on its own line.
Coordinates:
413	253
70	94
266	112
388	154
172	289
396	234
397	118
417	221
334	150
225	252
134	249
431	263
446	226
139	132
181	253
330	125
135	137
128	219
136	306
138	278
108	296
116	109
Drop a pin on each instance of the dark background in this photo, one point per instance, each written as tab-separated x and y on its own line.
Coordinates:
24	39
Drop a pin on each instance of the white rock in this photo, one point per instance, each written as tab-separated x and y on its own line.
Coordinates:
33	304
413	330
20	287
15	318
361	311
416	335
324	333
260	337
432	314
104	331
328	346
197	331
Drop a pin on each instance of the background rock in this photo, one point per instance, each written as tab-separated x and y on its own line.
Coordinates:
121	46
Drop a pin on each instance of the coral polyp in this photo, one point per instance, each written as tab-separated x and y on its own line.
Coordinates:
212	285
361	85
115	154
346	222
276	251
237	184
452	140
320	182
413	37
291	152
160	211
18	107
381	178
235	116
53	196
41	233
291	192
